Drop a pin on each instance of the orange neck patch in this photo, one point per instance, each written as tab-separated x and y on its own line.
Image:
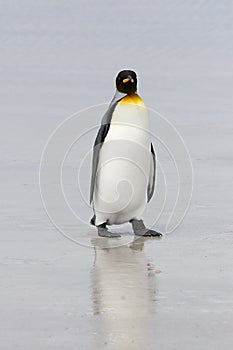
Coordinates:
133	99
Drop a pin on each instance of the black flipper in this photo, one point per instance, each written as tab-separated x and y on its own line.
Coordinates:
103	131
151	183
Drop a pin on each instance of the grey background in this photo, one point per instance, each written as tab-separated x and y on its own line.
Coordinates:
58	57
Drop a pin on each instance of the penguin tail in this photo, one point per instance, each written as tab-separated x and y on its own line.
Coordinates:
92	221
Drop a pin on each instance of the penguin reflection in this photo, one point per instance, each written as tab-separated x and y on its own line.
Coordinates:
123	295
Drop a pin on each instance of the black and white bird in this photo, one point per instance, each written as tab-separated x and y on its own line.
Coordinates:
124	162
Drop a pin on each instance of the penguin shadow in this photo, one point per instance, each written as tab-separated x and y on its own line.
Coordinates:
123	293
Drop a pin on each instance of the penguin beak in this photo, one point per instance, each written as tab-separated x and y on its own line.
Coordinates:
128	79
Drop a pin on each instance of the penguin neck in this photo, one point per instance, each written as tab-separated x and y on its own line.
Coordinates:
117	97
132	99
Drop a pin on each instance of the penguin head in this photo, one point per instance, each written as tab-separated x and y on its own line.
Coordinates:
126	82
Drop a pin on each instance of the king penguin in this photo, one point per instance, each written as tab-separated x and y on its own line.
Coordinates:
123	162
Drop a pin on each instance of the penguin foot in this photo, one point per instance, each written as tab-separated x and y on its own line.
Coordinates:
103	232
140	229
148	233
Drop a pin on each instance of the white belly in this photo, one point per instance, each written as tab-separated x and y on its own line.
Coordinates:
123	171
